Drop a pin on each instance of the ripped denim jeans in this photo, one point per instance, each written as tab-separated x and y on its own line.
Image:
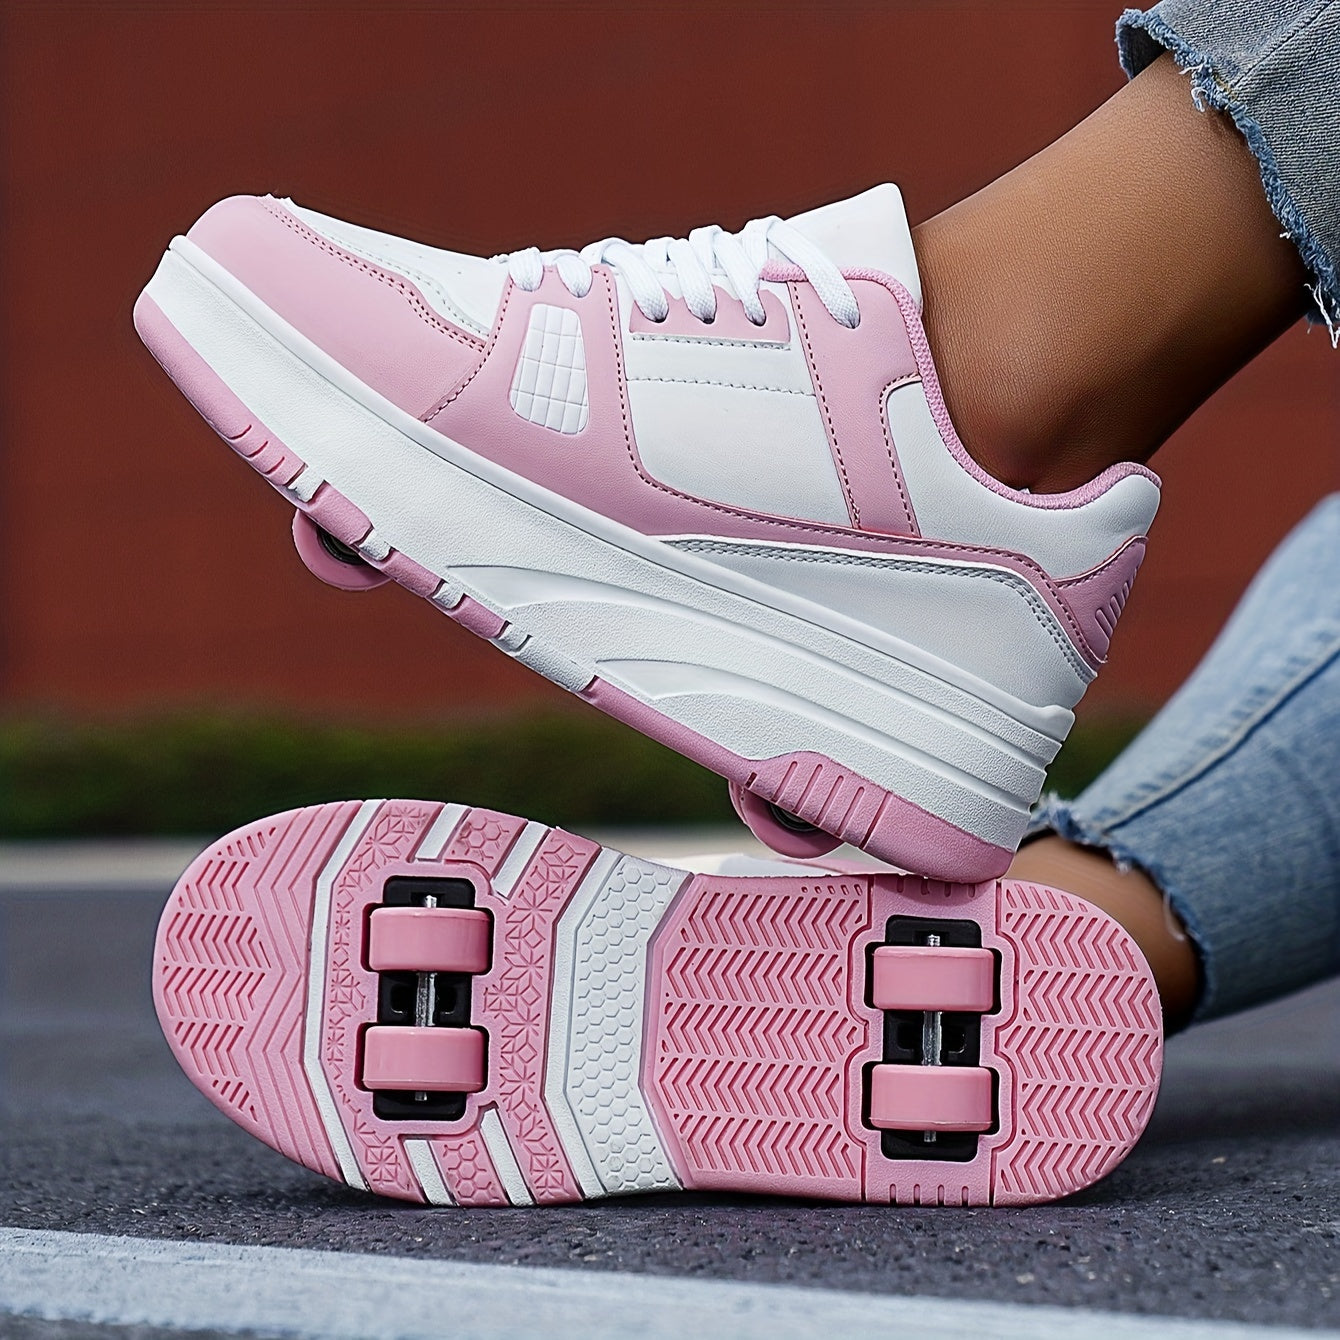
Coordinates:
1230	797
1274	67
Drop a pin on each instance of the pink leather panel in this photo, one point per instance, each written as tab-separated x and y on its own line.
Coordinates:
852	371
1098	597
777	272
600	467
376	323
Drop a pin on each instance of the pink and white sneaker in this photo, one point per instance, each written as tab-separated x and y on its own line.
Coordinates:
456	1006
707	484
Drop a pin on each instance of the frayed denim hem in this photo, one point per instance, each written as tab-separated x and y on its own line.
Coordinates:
1055	815
1210	90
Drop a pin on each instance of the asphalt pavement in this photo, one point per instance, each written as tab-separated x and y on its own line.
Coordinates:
1228	1209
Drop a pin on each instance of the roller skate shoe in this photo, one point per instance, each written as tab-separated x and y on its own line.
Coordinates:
454	1006
708	484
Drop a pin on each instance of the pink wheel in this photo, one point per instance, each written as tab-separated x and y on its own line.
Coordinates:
333	561
933	977
428	1060
781	831
429	939
931	1098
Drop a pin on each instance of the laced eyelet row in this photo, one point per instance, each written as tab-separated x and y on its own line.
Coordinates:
695	262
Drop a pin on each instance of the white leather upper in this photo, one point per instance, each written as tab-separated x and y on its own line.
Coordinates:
765	451
988	620
950	504
464	289
867	232
737	421
734	421
707	357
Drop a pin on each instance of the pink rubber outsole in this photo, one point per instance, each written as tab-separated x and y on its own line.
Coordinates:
761	1063
809	785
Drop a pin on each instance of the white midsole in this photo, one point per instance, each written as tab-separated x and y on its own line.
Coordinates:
707	648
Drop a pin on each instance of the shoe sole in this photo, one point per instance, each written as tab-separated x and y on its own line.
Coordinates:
636	1027
906	756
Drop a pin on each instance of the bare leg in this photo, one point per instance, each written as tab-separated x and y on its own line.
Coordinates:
1083	305
1135	901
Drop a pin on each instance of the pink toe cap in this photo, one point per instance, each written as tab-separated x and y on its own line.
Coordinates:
376	323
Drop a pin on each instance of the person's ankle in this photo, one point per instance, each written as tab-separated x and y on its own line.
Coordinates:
1080	307
1131	898
1016	416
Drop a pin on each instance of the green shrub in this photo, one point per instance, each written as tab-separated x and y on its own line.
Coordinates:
204	773
1091	747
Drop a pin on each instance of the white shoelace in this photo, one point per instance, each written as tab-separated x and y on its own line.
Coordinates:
694	259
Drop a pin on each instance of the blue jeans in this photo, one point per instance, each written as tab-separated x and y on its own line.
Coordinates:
1274	67
1230	798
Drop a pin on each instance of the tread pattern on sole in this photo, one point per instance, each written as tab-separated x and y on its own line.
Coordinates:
1086	1045
646	1028
230	974
515	1011
752	1035
596	1029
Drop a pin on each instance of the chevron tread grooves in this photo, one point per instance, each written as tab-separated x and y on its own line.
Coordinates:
1085	1047
757	1032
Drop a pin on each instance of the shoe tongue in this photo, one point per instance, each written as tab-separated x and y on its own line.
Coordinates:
867	232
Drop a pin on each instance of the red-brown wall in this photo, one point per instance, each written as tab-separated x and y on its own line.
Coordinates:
147	567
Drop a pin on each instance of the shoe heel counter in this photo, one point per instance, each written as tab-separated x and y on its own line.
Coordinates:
954	498
1097	598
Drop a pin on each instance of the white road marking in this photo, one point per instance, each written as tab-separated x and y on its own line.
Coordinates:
349	1296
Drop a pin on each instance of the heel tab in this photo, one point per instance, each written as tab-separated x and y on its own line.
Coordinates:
1097	598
